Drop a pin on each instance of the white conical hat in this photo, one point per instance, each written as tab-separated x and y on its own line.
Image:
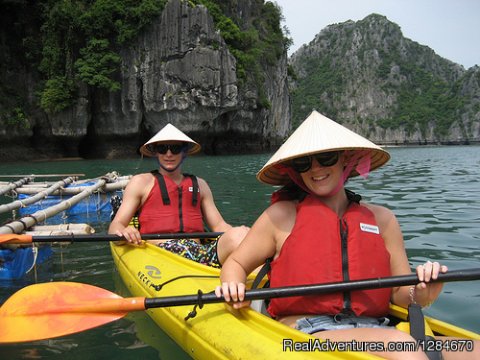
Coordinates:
315	135
167	134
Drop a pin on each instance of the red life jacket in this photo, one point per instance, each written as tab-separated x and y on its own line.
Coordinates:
171	208
323	248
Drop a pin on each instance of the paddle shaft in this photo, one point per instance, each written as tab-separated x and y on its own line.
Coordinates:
66	307
316	289
25	239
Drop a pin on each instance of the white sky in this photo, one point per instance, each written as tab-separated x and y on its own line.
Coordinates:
450	27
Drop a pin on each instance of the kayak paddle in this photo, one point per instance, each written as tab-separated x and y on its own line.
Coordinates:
27	239
48	310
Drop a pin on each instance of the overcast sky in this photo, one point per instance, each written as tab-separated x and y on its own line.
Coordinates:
450	27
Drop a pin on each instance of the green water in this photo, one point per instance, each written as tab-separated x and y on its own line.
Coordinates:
434	192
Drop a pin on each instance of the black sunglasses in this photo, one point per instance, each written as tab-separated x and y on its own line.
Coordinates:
163	148
304	163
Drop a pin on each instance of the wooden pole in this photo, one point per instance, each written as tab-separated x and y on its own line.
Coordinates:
17	204
118	185
14	185
40	175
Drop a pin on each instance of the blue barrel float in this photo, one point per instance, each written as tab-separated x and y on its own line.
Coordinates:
16	263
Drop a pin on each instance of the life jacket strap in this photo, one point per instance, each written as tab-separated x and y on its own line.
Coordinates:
417	330
195	188
262	273
163	187
164	192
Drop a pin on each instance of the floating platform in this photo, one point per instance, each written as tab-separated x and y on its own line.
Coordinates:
37	201
58	203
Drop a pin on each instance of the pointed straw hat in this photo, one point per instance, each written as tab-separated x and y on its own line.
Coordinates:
167	134
319	134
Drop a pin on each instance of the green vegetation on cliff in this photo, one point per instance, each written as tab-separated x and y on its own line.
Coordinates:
368	75
81	40
78	41
261	43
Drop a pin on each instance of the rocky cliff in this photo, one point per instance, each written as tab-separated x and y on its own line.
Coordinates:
178	70
182	68
371	78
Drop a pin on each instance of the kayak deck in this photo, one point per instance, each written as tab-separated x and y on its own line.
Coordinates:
218	331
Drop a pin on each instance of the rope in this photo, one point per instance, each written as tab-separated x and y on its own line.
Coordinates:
199	303
25	226
10	227
159	287
35	255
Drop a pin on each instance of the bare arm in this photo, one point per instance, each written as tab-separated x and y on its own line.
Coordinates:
264	240
211	215
133	197
392	234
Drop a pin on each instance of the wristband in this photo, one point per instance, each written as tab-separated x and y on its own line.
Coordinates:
412	292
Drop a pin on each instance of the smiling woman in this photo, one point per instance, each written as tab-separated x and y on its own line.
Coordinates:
358	240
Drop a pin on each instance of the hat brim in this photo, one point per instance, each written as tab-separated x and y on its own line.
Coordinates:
168	134
318	134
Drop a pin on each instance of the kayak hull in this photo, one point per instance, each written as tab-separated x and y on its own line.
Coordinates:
217	331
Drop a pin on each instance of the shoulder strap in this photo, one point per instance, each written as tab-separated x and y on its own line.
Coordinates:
195	188
261	274
163	187
353	197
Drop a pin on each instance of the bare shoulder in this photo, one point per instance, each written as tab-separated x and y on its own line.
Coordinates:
143	179
201	181
383	215
282	212
140	184
278	220
203	185
280	208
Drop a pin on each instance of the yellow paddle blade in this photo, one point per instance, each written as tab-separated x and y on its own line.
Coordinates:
44	311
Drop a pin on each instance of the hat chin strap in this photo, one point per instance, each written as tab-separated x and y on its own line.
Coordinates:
184	155
360	160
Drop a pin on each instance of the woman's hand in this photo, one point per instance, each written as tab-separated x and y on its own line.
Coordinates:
233	293
131	235
425	292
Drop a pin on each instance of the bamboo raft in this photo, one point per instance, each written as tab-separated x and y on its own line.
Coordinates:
36	201
64	194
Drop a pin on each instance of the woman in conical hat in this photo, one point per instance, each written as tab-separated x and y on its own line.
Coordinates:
169	201
316	231
321	137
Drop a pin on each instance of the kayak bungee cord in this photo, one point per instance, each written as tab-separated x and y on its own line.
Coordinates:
199	304
159	287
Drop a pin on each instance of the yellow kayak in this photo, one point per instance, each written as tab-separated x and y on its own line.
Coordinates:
218	331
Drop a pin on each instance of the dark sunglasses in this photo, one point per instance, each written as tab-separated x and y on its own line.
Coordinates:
163	148
304	163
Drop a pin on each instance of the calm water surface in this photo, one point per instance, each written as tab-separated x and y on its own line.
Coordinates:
434	191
